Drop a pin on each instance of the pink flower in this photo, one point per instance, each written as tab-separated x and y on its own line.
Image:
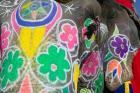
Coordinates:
5	37
91	64
69	35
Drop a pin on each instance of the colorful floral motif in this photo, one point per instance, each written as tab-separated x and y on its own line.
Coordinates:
54	63
115	68
120	45
69	35
89	27
5	36
10	68
91	64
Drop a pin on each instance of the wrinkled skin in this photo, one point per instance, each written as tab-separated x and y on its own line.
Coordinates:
42	56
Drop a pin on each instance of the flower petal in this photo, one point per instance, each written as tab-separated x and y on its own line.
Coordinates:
61	75
114	43
52	50
64	36
67	28
5	35
118	50
13	75
122	54
61	53
118	40
70	45
42	59
4	44
4	83
52	76
45	69
66	64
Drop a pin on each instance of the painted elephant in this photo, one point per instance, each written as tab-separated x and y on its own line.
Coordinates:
47	45
122	43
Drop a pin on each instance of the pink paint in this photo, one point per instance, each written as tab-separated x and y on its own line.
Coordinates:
91	64
84	30
26	86
5	37
15	25
69	35
43	91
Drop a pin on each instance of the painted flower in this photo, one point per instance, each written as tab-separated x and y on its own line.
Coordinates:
91	64
115	68
5	37
69	35
54	63
85	90
120	45
10	68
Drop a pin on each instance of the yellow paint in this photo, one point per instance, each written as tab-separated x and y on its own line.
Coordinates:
93	38
76	75
30	39
27	5
127	87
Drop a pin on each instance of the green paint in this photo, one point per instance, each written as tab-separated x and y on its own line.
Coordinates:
99	83
66	90
26	12
116	31
108	56
88	22
88	43
10	68
54	63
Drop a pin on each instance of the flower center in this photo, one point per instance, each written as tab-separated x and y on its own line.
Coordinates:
122	46
53	67
70	37
90	64
10	68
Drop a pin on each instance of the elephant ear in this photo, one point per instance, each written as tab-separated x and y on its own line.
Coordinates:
63	1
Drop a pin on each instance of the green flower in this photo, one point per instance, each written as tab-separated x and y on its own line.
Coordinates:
10	68
85	90
99	83
54	63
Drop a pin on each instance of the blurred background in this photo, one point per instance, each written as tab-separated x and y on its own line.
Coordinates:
137	5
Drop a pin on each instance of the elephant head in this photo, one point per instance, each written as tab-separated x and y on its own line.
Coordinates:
121	44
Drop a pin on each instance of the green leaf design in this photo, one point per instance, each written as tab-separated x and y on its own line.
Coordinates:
108	56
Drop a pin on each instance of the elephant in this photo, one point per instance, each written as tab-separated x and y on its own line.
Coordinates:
72	46
47	46
121	23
